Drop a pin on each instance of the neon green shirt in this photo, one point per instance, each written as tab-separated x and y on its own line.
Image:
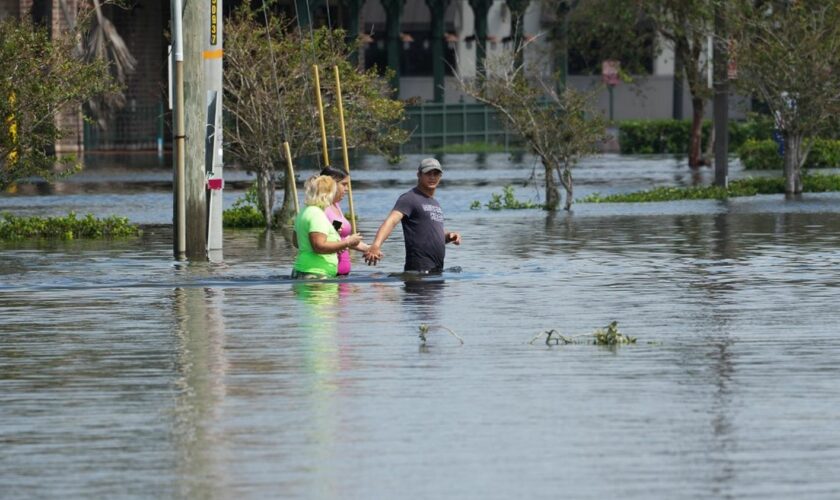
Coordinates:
313	220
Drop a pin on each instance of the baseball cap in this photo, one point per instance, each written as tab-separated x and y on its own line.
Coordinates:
429	164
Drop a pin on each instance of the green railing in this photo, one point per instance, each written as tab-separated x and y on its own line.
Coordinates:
140	127
434	126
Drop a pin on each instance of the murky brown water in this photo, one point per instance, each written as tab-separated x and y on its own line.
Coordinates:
124	374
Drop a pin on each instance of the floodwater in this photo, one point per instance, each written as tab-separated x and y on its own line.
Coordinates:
126	374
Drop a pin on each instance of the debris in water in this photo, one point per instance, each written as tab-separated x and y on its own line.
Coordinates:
609	335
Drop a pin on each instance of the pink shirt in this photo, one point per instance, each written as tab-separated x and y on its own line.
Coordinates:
334	213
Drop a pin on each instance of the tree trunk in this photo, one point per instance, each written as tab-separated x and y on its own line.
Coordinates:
793	163
695	141
566	180
552	196
287	209
265	194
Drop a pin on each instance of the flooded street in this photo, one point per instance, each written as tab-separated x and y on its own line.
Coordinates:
126	374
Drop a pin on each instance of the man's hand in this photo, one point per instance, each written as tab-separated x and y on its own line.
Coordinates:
373	255
453	237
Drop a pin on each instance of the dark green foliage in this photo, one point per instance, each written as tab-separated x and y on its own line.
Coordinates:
760	155
672	136
245	212
825	153
813	183
69	227
764	155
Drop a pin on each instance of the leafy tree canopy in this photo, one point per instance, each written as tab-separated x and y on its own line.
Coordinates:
40	77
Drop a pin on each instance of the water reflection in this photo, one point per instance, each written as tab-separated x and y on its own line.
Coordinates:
326	354
203	366
422	298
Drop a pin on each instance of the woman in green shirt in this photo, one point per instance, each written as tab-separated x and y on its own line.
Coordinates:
315	237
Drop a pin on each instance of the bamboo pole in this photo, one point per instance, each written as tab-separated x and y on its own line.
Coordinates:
290	171
320	104
344	147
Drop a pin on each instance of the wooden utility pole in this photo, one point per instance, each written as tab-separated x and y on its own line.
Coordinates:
195	31
178	157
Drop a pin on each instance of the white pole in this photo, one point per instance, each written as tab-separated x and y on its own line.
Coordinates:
213	52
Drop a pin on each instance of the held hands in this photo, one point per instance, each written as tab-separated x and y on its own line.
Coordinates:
373	255
353	240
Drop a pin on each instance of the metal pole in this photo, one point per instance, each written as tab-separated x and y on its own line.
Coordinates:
344	146
213	65
180	161
320	104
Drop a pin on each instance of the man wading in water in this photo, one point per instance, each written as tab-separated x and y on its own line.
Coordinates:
422	223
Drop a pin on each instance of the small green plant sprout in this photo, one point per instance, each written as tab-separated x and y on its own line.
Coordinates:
609	335
425	329
475	205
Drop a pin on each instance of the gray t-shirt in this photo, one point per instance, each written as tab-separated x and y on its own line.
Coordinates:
422	223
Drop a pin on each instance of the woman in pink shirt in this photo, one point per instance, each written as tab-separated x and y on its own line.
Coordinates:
337	218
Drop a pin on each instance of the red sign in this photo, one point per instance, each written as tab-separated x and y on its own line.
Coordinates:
609	72
215	184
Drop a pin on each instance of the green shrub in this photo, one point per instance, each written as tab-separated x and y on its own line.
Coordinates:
760	155
655	136
69	227
244	212
764	155
754	128
825	153
672	136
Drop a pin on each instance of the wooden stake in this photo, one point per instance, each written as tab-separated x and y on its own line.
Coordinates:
290	171
344	146
320	104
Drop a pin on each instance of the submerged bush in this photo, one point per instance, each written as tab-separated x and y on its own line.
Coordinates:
811	183
506	200
245	212
69	227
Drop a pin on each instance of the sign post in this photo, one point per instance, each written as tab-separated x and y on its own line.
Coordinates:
610	76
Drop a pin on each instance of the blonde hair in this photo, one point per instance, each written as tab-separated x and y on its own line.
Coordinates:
320	191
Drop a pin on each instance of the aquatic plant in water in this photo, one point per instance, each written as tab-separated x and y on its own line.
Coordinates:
425	329
608	335
69	227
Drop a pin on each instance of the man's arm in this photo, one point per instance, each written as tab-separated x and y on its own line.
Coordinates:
373	254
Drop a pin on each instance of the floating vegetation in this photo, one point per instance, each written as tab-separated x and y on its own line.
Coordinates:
506	201
811	183
69	227
609	335
425	329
